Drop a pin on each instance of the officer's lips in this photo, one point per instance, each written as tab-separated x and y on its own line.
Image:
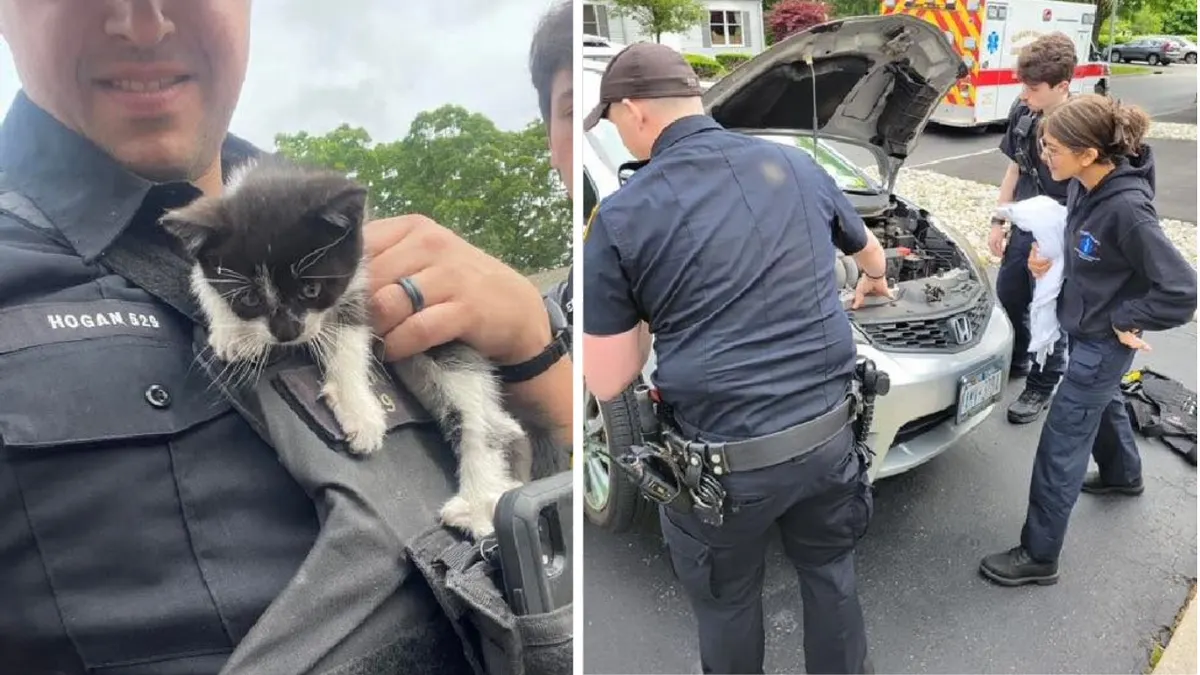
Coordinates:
145	92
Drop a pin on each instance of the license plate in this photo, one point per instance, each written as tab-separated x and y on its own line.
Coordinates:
977	390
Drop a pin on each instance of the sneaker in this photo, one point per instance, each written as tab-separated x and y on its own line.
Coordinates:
1093	485
1028	407
1015	567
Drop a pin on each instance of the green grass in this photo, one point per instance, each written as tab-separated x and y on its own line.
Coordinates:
1129	69
1155	654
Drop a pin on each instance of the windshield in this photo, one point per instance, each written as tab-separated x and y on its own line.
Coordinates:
607	142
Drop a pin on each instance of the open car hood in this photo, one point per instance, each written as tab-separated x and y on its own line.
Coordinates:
877	79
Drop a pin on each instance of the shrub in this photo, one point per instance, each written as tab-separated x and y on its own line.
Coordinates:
731	60
706	67
792	16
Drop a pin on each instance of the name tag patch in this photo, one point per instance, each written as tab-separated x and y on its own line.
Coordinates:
102	320
34	325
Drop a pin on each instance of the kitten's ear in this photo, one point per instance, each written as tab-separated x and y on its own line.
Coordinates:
347	209
193	225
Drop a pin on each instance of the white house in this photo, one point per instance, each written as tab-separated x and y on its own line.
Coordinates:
731	26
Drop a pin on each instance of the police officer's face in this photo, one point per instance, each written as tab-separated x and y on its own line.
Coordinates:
153	82
1040	97
562	120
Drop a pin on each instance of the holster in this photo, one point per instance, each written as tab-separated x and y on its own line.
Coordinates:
361	602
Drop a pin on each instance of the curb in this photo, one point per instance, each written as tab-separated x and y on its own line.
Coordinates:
1179	656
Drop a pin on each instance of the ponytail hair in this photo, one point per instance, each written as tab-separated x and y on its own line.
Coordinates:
1100	123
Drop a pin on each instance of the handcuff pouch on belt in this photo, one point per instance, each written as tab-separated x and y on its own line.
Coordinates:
671	470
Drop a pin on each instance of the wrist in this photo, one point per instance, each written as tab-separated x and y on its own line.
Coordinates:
535	334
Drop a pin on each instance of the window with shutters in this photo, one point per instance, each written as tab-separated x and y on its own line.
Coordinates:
595	20
726	29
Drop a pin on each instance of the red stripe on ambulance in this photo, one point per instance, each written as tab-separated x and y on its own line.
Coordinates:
1006	76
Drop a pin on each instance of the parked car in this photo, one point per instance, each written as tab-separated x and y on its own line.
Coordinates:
879	80
1187	47
1152	50
601	49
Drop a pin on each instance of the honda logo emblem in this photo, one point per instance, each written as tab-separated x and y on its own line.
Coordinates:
960	326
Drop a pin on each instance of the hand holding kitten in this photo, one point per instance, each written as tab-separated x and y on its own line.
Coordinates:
469	295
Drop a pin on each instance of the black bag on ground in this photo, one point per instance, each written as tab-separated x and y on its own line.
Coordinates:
1162	408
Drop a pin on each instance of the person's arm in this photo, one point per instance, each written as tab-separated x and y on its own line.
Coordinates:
1171	300
615	340
1008	184
545	402
852	236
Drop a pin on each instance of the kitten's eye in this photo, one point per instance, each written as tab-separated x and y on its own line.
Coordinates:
311	290
249	299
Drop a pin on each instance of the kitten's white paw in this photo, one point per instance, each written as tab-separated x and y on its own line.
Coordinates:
361	417
475	514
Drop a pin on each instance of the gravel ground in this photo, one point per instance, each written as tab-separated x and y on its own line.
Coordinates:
1173	131
967	206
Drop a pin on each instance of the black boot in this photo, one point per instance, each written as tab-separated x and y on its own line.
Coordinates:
1014	567
1028	407
1093	485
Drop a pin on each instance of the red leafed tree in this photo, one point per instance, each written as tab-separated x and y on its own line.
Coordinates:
792	16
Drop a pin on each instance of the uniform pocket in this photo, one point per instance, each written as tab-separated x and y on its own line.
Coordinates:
691	559
1084	365
90	403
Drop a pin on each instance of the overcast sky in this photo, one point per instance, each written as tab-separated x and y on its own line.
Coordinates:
315	64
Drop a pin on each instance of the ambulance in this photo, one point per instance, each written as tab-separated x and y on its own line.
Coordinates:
989	34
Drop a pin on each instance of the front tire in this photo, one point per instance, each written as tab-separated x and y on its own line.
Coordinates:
1153	59
611	501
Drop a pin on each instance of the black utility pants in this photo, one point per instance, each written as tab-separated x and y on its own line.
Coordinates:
1087	417
822	502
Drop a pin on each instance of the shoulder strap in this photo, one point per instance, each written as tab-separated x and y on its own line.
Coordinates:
143	256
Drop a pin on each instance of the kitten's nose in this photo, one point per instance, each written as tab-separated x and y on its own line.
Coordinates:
285	327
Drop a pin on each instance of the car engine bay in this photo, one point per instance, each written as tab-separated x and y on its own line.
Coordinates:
929	274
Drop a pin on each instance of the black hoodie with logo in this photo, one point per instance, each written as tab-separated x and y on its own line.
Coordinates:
1120	269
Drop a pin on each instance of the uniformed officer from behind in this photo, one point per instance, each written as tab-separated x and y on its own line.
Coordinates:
1045	67
723	247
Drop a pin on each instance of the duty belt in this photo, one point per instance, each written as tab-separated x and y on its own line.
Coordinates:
766	451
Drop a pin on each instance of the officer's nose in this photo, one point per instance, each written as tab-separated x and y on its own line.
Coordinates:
285	327
140	22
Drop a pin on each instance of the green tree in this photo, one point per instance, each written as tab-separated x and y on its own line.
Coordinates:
494	188
661	16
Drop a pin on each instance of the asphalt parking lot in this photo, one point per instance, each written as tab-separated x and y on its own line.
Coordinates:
1124	574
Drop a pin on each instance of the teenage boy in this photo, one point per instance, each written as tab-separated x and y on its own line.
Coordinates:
1044	67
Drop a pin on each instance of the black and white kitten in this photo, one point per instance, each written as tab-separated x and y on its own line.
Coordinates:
279	261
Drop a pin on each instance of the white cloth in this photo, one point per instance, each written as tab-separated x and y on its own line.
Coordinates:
1046	219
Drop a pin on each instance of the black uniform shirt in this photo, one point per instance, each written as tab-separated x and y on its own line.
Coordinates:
143	525
724	244
1013	145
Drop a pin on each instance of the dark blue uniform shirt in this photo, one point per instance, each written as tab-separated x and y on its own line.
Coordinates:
144	526
725	245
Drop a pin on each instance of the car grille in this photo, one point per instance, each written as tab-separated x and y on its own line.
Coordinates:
922	424
940	334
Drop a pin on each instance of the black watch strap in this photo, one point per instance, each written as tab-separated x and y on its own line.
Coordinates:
527	370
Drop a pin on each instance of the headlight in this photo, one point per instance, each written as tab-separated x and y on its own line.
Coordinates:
977	262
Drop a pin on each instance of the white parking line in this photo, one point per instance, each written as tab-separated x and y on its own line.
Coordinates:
951	159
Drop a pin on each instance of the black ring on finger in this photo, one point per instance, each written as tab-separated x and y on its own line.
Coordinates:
414	293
